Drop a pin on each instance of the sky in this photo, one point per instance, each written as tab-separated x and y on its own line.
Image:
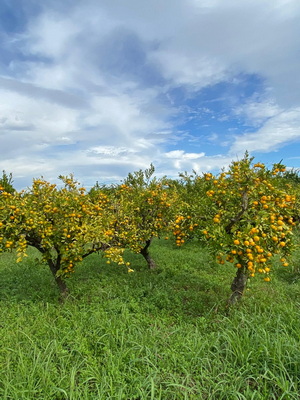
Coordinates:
101	88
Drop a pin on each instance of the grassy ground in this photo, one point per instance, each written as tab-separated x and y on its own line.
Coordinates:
164	334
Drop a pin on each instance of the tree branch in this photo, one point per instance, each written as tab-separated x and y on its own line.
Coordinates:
97	247
240	214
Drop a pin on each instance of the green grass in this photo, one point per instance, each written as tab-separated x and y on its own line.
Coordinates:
164	334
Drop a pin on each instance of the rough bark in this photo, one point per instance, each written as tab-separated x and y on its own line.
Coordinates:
35	241
54	267
239	282
238	286
145	253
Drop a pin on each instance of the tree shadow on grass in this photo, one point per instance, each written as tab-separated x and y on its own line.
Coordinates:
289	276
180	286
27	281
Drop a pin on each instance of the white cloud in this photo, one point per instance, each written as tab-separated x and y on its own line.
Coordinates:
51	35
279	130
110	151
180	154
195	71
92	89
257	112
177	161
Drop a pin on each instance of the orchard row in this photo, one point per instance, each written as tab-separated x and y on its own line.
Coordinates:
246	215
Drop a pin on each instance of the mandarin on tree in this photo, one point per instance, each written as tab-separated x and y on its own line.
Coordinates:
245	216
254	206
144	207
62	223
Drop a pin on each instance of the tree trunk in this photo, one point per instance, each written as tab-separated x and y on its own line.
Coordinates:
238	285
35	241
145	253
54	267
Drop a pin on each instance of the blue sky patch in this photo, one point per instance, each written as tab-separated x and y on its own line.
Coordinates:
109	87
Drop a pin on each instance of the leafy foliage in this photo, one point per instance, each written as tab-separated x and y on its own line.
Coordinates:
245	215
6	183
62	223
143	207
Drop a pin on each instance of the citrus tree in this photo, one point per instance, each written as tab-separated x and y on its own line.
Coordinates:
143	208
63	224
192	207
250	220
244	214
